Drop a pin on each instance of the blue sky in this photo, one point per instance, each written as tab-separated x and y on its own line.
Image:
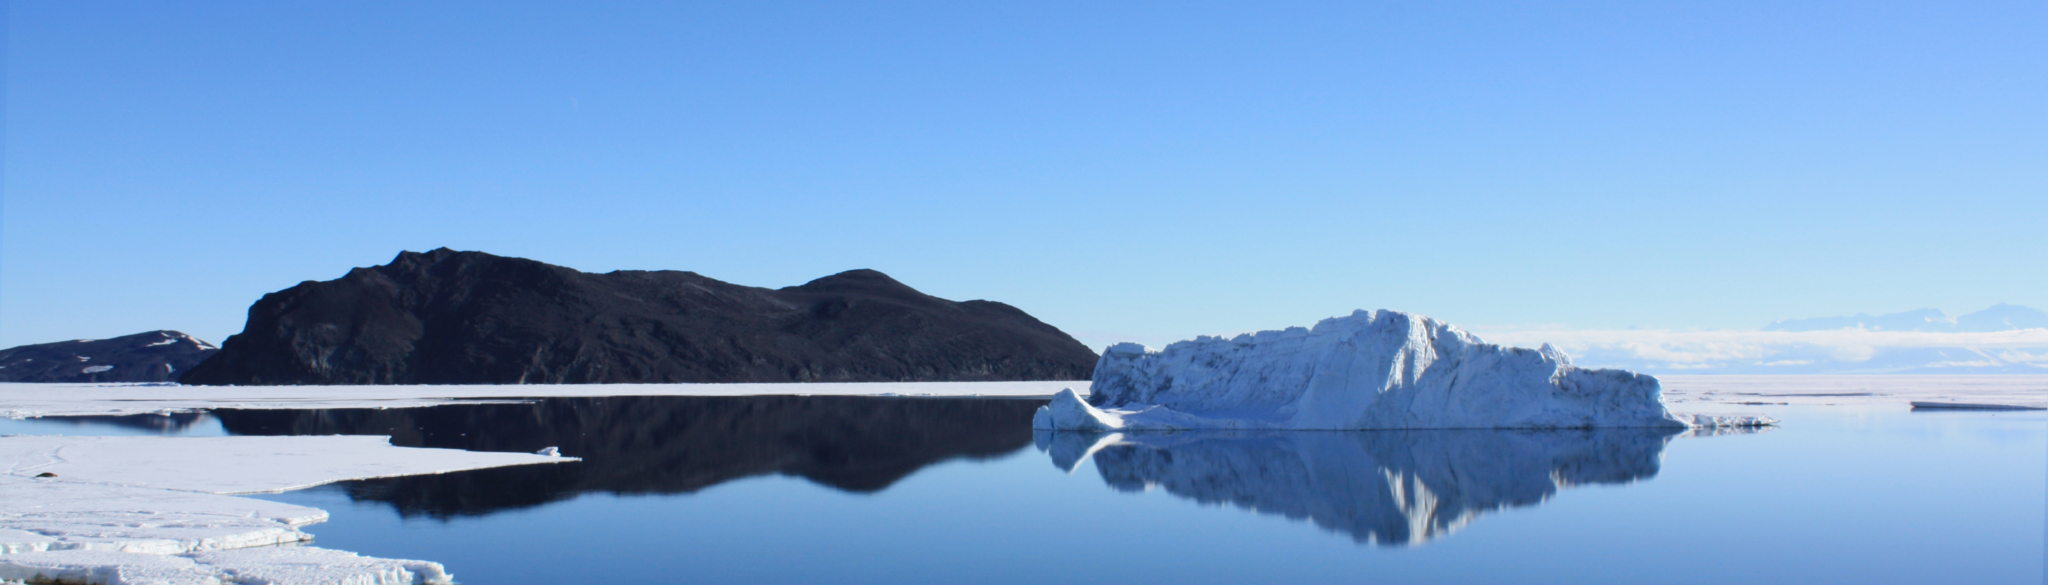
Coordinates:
1142	170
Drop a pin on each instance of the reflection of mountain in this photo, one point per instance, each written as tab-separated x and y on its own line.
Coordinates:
658	445
1388	487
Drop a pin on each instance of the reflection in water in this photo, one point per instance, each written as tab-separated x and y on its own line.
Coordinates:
168	424
662	445
1386	487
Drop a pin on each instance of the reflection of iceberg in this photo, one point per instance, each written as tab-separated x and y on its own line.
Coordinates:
1388	487
1383	370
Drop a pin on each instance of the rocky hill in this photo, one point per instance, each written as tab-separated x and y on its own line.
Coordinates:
156	356
448	317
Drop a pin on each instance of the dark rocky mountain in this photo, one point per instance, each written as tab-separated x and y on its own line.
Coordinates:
156	356
448	317
662	444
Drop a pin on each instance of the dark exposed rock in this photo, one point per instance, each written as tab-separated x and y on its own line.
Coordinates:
156	356
448	317
662	444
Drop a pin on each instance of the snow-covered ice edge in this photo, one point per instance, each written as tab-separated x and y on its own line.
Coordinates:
38	400
156	510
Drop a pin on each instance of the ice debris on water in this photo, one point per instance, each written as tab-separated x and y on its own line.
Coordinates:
1369	370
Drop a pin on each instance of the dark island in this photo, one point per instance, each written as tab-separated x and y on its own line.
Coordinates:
155	356
448	317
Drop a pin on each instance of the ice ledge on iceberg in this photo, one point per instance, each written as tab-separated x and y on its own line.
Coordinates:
1377	370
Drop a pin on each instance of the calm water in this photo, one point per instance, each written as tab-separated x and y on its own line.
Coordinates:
876	490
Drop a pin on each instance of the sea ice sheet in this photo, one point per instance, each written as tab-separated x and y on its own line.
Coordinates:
1852	390
237	465
35	400
286	565
151	510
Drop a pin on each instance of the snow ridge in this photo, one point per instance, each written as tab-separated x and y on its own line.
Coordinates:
1368	370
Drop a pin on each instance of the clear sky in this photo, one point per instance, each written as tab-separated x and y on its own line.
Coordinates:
1118	169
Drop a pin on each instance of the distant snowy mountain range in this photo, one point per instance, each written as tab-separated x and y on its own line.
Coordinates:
2003	339
2000	317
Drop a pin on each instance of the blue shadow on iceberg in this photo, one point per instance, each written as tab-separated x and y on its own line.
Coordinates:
1392	488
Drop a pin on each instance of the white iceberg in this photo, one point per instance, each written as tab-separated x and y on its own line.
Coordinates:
1379	370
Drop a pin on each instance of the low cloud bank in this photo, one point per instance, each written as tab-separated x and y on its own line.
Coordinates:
1841	351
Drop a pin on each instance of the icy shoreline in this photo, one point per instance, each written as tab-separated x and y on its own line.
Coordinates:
155	510
37	400
20	401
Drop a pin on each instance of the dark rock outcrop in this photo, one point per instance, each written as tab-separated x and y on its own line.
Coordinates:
448	317
156	356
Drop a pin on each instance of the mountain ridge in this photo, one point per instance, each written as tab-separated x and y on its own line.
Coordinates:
449	317
150	356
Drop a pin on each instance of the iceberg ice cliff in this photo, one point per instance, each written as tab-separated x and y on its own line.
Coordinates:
1378	370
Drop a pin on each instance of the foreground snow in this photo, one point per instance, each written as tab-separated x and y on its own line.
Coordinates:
1381	370
34	400
293	565
152	510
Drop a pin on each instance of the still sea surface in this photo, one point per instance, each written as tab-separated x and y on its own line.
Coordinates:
961	490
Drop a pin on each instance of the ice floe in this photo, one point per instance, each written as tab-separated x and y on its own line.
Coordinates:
1970	406
1857	390
1379	370
153	510
288	565
236	465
